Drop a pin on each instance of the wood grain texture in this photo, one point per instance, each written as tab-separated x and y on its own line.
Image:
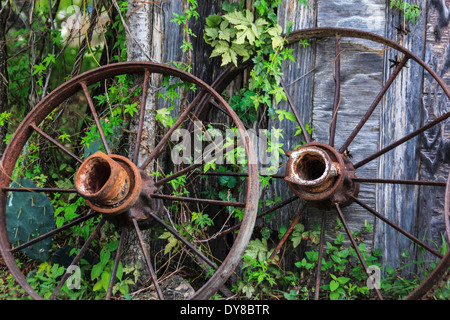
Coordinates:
435	143
361	79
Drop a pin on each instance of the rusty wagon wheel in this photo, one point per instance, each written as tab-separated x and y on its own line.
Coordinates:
118	190
323	176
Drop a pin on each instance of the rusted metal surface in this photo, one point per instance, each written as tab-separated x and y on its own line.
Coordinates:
109	184
102	180
317	173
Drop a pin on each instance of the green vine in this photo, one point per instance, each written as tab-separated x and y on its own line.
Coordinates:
240	35
410	11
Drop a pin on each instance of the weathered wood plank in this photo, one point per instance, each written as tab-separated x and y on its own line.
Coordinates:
361	80
400	115
435	147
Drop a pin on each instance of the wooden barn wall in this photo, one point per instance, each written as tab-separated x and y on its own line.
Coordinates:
435	143
411	101
401	114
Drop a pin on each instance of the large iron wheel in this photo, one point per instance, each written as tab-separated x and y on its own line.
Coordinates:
118	190
323	176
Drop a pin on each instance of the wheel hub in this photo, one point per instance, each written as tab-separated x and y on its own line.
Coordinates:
113	186
319	174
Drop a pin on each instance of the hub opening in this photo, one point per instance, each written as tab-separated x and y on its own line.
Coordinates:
311	167
98	172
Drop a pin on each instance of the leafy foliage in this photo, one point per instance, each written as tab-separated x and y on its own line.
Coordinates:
410	11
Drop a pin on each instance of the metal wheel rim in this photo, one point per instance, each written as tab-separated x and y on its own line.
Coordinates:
325	32
57	96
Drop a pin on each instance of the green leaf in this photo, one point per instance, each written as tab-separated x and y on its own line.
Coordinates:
241	50
277	40
246	33
106	276
292	295
296	241
98	286
213	20
238	18
282	231
334	295
343	280
334	285
96	271
343	254
104	257
119	273
390	270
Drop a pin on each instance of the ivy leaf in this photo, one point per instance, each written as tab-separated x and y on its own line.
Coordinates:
279	94
213	20
238	18
220	49
260	23
210	35
246	33
242	51
224	50
172	241
285	114
224	34
277	39
228	181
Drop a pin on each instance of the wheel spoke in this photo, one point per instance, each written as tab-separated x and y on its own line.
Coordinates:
300	209
394	181
239	174
206	201
180	238
177	174
56	231
337	89
355	246
294	110
43	190
147	260
96	118
187	169
402	140
274	208
141	116
396	227
374	104
116	263
56	143
319	261
78	257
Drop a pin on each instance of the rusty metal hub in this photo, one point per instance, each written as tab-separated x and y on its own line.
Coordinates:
319	174
113	185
